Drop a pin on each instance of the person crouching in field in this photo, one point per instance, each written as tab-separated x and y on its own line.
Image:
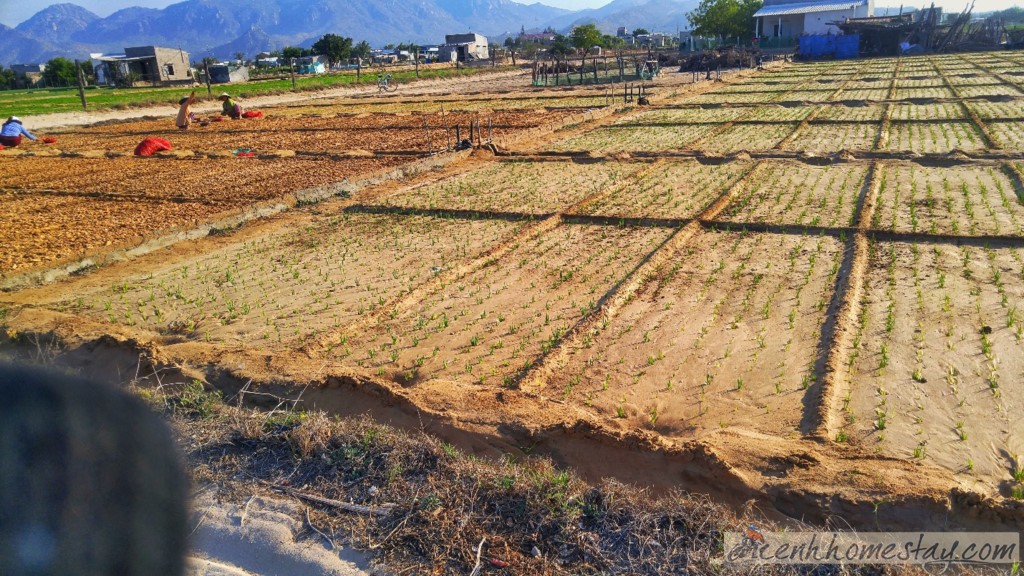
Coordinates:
229	106
185	115
12	132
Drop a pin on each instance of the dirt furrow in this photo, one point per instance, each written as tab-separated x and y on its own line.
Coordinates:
981	126
838	333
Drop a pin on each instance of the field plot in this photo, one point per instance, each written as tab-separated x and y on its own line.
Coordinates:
725	337
810	95
871	114
1008	134
59	209
673	189
694	115
925	89
277	291
873	83
960	200
960	79
484	328
989	90
643	138
521	187
752	97
941	111
998	110
824	137
865	94
749	137
799	194
779	113
378	132
936	366
935	137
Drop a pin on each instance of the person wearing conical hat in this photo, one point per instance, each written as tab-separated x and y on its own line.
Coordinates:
229	106
12	132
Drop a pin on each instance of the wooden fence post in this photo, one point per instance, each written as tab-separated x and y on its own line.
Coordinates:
81	83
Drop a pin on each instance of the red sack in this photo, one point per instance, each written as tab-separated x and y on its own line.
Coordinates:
252	114
1	146
50	140
150	146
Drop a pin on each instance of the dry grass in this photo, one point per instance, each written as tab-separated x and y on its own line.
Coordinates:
535	518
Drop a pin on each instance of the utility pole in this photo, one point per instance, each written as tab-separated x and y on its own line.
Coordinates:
291	68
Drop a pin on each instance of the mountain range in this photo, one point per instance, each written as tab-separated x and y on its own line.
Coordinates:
222	28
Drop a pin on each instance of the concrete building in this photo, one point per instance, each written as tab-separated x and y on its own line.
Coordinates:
147	65
464	47
784	18
33	73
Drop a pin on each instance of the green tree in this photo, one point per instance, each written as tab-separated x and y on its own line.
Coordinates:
585	37
609	41
362	49
60	72
8	79
560	46
335	48
289	52
640	32
724	17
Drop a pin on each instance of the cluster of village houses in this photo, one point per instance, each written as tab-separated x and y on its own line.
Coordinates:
153	65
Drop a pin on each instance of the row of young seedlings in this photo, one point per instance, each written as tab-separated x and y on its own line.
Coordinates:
934	137
296	283
755	304
951	321
957	197
489	326
818	197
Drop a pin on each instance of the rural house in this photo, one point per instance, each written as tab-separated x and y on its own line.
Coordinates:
33	73
150	65
227	74
463	48
784	18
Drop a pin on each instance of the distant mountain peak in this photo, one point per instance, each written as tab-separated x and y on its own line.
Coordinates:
224	27
57	23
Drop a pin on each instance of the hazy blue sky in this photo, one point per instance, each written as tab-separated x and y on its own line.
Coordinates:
13	12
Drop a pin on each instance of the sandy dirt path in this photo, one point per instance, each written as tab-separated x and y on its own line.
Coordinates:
264	537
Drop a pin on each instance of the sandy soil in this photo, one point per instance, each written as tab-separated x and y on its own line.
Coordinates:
263	537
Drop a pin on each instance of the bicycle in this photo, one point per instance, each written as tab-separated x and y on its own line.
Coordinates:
386	84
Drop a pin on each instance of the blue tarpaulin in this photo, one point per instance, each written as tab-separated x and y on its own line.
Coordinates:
822	46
